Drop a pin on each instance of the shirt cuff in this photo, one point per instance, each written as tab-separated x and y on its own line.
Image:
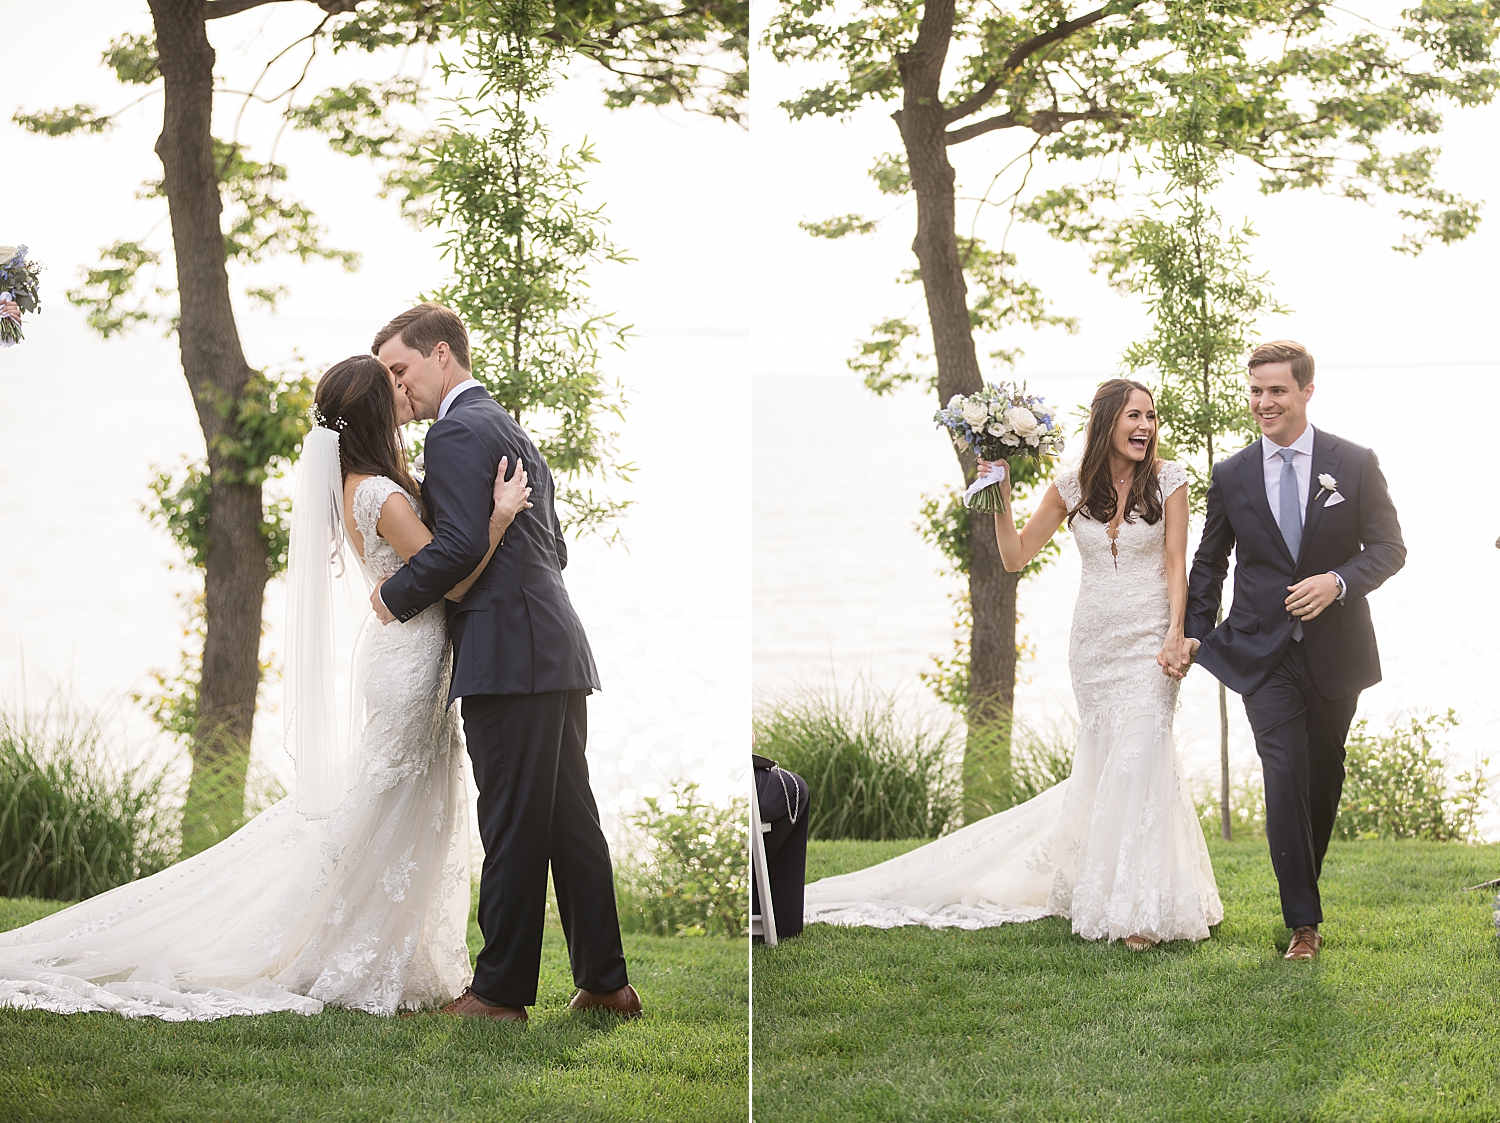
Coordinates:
1343	589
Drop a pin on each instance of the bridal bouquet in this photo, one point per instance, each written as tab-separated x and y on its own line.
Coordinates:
997	423
18	282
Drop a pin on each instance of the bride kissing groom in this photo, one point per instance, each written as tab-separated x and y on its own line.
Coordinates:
353	891
1117	847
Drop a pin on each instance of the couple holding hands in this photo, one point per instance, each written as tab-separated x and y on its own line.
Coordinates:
1117	847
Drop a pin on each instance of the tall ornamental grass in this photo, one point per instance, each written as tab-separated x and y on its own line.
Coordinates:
72	822
871	774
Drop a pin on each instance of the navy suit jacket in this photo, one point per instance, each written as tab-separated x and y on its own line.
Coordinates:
1359	539
515	632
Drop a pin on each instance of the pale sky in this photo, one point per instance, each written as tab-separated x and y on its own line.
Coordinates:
1355	301
90	604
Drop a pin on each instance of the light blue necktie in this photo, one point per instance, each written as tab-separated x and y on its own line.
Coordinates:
1291	514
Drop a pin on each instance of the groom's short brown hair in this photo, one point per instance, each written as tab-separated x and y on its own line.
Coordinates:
1282	351
422	328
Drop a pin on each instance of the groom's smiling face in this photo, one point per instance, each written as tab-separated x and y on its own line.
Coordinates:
1278	403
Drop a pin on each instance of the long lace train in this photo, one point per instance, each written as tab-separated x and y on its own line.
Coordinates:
366	909
1116	847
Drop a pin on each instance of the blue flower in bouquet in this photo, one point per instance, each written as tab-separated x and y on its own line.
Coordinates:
18	282
998	423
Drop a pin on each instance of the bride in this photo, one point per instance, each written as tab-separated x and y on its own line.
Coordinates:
354	890
1117	846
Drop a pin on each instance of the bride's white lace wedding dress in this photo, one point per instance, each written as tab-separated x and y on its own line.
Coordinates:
1117	846
367	908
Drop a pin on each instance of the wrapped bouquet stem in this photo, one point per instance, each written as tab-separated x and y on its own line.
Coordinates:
999	422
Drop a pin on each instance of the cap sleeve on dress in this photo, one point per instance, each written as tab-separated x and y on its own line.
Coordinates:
1170	476
1067	487
369	496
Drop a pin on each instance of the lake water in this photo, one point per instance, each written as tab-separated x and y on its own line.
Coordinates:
844	588
90	604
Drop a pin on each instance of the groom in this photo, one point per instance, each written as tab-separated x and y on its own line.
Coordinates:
523	667
1314	532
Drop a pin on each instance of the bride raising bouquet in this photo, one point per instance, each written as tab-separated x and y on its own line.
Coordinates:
995	424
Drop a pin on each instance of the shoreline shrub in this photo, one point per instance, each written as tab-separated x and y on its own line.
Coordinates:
692	875
1397	784
73	823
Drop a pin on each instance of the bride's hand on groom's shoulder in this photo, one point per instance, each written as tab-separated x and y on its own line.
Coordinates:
511	495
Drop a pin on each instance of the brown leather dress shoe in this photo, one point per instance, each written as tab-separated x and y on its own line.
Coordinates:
1306	943
624	1001
470	1005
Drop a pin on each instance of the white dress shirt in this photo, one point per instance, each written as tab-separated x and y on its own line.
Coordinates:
470	383
1301	464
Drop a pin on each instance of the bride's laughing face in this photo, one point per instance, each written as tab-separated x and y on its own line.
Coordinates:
404	411
1135	426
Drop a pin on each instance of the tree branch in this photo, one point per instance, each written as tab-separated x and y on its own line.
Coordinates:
1044	122
1023	51
218	9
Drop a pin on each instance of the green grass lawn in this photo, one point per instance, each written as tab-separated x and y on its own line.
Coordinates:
1399	1019
686	1059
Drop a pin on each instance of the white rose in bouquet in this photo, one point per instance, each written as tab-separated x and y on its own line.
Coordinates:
955	401
7	252
976	414
1023	421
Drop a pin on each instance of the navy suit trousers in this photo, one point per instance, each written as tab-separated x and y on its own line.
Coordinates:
536	809
1299	735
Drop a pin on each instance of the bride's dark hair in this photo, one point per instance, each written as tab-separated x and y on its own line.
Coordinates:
355	399
1094	483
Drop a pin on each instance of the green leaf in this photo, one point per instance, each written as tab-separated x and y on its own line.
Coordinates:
134	60
839	227
64	122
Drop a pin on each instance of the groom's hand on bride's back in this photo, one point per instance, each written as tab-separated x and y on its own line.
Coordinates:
382	613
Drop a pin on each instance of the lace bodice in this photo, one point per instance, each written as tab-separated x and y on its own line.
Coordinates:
380	557
1116	847
1122	612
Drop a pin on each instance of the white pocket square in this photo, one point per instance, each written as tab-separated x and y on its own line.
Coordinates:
1334	500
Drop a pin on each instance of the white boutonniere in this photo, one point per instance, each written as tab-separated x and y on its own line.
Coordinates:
1330	487
420	463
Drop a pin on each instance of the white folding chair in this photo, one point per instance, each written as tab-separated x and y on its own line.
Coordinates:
763	923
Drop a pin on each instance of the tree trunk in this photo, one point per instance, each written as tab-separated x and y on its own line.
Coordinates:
216	371
992	591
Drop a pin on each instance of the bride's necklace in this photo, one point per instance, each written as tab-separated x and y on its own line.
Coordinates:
1114	539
